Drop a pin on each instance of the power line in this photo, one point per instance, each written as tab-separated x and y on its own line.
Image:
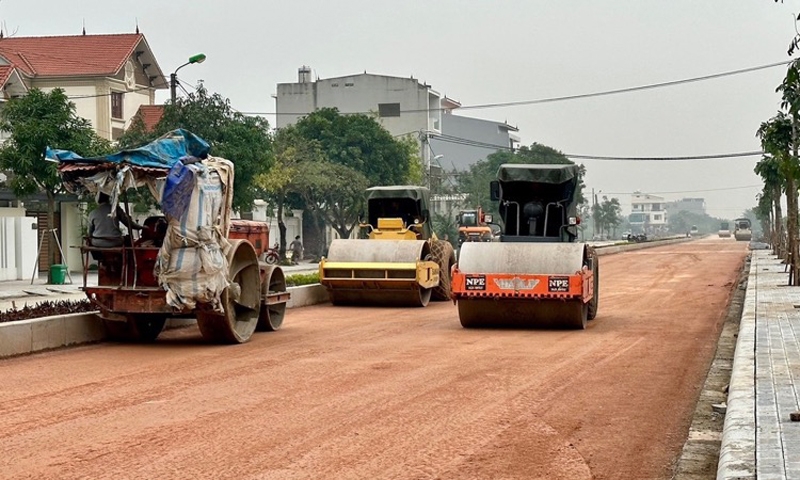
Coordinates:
563	98
473	143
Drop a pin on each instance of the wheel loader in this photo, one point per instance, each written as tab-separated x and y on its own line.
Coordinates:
537	274
194	261
473	226
400	263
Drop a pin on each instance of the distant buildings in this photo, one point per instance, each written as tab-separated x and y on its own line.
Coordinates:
404	106
691	205
648	213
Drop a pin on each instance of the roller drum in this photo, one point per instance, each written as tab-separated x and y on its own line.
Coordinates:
374	291
525	259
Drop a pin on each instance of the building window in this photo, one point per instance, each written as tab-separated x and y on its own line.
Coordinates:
389	109
656	218
116	105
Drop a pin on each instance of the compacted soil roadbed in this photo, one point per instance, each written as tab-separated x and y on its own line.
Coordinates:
345	392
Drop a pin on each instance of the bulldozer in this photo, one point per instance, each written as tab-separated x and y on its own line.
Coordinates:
537	274
473	226
401	262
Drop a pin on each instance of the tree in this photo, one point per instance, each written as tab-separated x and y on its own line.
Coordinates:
475	182
780	168
36	121
769	170
351	153
359	142
291	150
607	215
334	195
243	140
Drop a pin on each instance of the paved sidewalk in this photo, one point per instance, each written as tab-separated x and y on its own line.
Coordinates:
18	293
759	441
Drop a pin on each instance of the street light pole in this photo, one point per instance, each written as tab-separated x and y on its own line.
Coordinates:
173	78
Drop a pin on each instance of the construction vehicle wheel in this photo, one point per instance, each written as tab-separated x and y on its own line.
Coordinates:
137	328
270	317
241	300
593	304
444	255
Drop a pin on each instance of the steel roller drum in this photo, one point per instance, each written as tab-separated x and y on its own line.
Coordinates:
522	258
375	291
527	258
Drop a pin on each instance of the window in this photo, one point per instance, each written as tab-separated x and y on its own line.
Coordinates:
657	218
116	105
388	109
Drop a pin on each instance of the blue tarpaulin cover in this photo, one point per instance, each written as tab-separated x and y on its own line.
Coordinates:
164	152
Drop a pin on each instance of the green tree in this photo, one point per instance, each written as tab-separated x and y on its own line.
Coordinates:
242	139
607	216
475	182
768	168
777	140
361	143
291	150
34	122
334	195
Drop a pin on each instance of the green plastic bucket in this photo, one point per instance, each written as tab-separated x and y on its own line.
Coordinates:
58	273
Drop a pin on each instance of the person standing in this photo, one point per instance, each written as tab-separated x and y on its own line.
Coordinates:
297	250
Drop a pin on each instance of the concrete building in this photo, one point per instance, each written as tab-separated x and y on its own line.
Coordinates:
691	205
648	213
108	78
404	106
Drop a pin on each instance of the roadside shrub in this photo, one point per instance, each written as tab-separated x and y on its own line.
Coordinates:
300	279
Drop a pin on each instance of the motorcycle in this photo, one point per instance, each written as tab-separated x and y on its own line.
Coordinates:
272	256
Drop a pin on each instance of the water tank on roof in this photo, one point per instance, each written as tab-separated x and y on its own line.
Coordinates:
304	74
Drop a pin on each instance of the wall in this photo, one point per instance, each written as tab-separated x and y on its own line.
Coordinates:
17	246
463	156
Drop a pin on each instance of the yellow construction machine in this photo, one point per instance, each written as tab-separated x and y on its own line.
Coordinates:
400	263
537	274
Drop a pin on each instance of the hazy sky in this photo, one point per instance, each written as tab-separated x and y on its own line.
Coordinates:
497	51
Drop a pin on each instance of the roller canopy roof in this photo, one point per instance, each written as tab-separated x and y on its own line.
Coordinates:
399	191
538	173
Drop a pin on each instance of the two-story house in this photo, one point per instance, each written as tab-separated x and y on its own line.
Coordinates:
108	78
648	213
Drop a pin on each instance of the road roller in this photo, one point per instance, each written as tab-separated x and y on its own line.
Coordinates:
400	262
536	275
742	232
193	261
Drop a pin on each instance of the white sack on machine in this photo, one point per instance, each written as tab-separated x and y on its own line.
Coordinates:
192	265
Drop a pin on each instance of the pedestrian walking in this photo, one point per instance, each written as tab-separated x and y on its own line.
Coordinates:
297	250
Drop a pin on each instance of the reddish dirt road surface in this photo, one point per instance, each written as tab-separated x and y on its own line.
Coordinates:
355	393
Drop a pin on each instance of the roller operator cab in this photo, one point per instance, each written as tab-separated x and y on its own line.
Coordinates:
399	262
537	274
724	230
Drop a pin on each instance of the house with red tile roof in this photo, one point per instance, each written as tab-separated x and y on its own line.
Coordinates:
108	77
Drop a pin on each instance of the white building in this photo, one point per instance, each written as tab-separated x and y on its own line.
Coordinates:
405	106
107	77
648	213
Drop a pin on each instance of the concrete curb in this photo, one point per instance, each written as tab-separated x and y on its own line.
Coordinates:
35	335
627	247
737	456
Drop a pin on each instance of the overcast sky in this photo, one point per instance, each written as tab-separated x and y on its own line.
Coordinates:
480	51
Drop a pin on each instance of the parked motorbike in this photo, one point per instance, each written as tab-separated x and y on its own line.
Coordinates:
272	256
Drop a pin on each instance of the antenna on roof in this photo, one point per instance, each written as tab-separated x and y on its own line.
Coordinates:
84	26
137	25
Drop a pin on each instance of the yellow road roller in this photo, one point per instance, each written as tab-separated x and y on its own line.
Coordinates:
536	274
401	262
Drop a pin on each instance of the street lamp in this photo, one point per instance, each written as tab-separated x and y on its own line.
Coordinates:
173	78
